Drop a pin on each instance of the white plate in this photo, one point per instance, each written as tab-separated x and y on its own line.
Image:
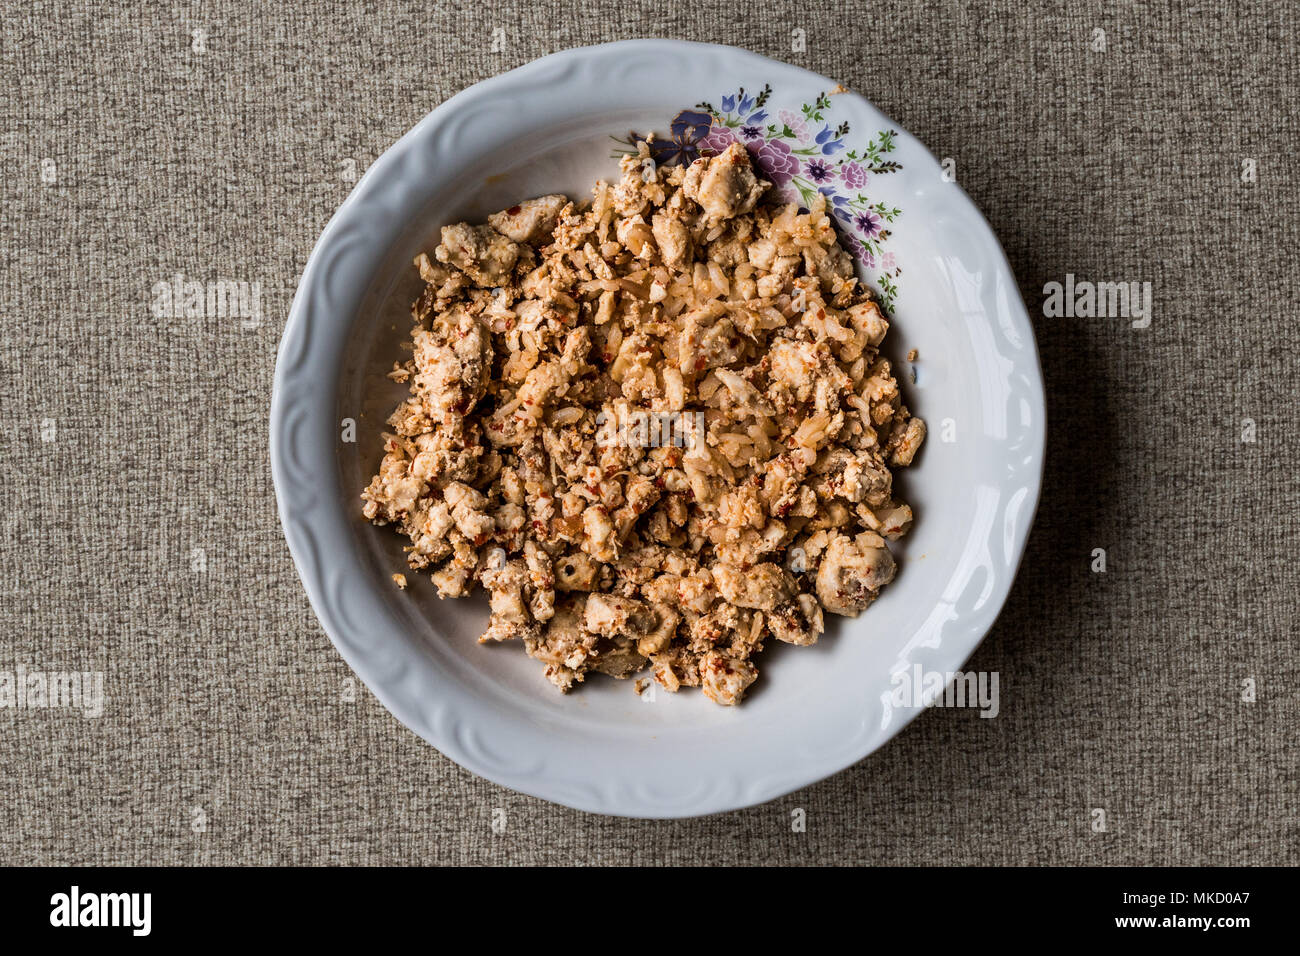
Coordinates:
550	127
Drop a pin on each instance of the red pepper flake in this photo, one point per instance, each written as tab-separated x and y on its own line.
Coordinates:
513	211
699	364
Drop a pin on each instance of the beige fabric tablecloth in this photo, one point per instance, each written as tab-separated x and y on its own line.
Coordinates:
214	140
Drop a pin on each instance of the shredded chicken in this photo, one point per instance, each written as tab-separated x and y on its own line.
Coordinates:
655	428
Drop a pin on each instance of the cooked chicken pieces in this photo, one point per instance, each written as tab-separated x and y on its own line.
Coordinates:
852	572
480	252
656	429
724	186
532	221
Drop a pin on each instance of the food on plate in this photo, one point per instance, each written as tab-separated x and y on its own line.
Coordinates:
655	428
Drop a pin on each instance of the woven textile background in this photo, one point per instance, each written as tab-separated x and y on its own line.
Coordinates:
215	140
